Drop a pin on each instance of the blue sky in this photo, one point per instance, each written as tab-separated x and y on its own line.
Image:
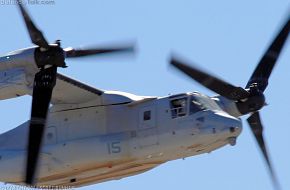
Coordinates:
224	37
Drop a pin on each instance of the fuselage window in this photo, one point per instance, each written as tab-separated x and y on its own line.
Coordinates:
178	107
147	115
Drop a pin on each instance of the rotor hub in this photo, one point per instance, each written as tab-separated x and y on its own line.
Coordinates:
53	56
254	102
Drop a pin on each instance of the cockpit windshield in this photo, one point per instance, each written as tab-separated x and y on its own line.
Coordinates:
195	106
191	104
199	102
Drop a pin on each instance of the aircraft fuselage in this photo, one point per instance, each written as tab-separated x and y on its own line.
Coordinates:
92	143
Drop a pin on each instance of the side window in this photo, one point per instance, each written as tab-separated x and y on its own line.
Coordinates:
178	107
147	115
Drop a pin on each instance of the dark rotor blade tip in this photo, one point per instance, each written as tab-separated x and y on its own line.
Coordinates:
209	81
36	35
256	126
82	52
267	63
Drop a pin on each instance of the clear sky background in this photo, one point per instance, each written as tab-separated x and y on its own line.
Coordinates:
224	37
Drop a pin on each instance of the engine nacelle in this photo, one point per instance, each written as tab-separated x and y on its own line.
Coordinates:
15	71
19	58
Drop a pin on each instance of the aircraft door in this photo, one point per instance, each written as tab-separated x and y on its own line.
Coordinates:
147	130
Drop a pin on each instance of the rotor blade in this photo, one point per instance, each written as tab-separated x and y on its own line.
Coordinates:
43	85
257	129
72	53
217	85
36	35
264	68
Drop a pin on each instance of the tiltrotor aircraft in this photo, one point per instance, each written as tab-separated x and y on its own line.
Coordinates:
79	135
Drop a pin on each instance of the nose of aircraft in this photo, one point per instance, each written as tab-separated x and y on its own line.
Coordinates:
227	125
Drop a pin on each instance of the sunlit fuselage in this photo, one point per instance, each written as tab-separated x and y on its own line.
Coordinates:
87	145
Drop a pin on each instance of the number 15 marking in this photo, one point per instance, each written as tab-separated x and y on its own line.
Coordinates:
114	147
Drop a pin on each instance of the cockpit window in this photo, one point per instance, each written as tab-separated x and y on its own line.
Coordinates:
195	106
196	103
178	107
199	102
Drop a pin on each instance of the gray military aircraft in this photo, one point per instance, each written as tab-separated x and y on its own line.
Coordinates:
89	135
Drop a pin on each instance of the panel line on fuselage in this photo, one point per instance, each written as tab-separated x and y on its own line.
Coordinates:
94	106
